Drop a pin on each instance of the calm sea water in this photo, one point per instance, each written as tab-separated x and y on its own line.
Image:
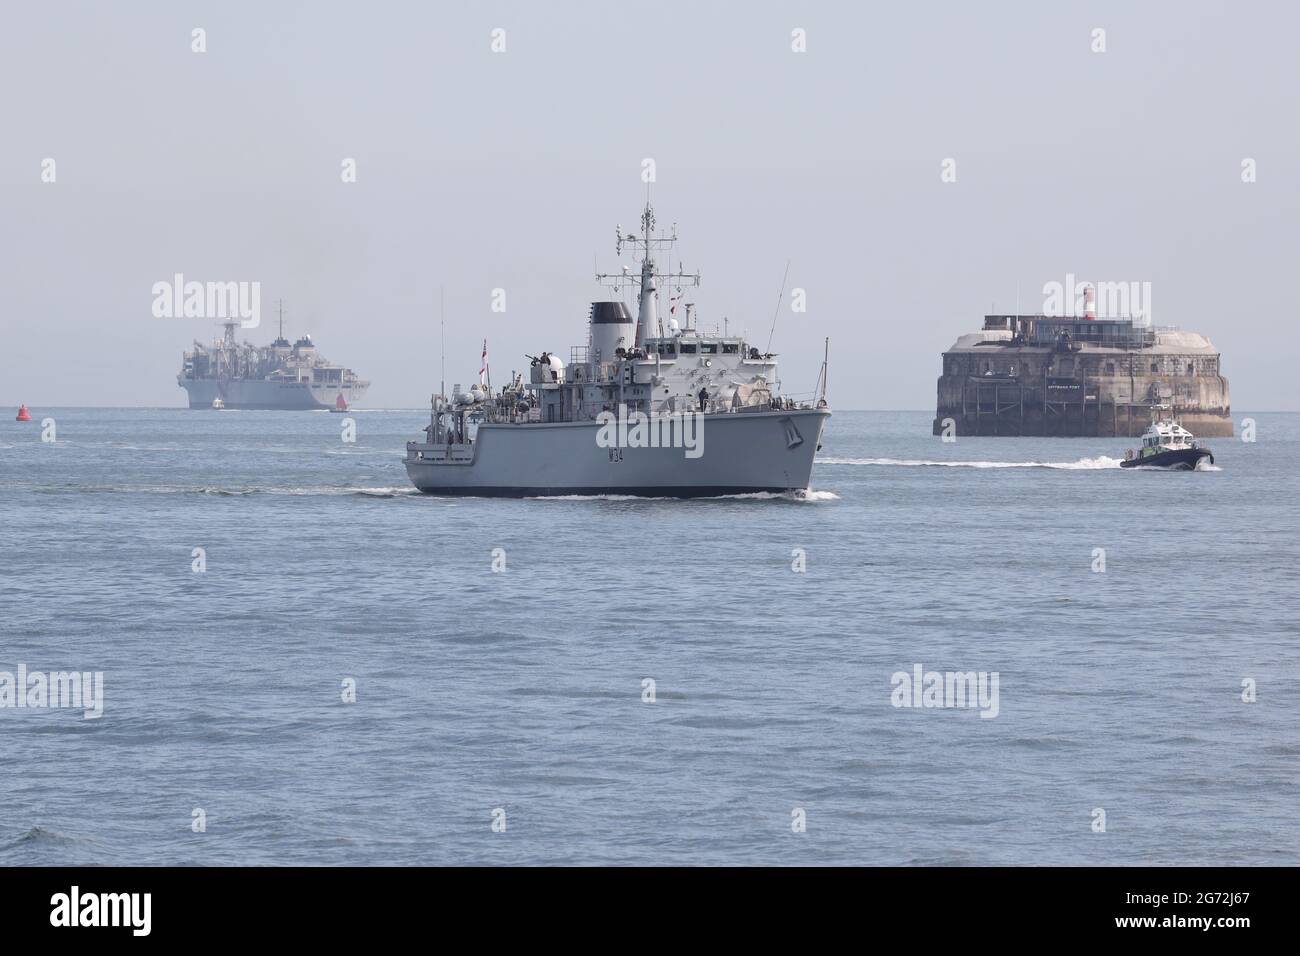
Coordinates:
522	690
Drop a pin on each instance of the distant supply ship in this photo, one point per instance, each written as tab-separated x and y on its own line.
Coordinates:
1078	376
276	376
642	409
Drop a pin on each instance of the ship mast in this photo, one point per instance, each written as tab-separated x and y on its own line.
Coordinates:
647	321
228	351
647	316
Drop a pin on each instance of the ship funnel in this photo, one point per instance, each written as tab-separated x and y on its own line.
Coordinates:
611	329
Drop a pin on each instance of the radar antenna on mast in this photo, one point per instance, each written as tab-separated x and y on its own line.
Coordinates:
643	247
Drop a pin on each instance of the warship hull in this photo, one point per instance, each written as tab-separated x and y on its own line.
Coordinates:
262	394
742	453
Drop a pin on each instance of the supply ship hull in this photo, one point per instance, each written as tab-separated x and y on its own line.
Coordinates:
741	453
264	394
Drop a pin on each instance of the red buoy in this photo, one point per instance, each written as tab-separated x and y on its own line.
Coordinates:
339	404
23	414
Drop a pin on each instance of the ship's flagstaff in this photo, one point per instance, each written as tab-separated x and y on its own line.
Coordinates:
442	340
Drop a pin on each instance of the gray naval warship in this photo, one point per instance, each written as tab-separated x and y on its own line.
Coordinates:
643	409
226	374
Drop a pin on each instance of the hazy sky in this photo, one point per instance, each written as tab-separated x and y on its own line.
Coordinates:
478	170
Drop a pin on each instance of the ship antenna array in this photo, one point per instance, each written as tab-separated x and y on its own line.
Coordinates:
777	311
642	246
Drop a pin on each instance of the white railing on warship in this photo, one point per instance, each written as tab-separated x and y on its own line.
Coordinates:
499	410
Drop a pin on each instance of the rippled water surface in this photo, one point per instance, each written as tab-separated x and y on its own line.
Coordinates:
522	690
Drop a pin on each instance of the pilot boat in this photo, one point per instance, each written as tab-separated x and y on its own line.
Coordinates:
1167	444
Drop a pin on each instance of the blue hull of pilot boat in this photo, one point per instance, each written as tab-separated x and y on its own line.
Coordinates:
1182	459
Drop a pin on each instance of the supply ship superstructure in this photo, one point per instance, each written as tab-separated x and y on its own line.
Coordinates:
281	375
642	408
1078	376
